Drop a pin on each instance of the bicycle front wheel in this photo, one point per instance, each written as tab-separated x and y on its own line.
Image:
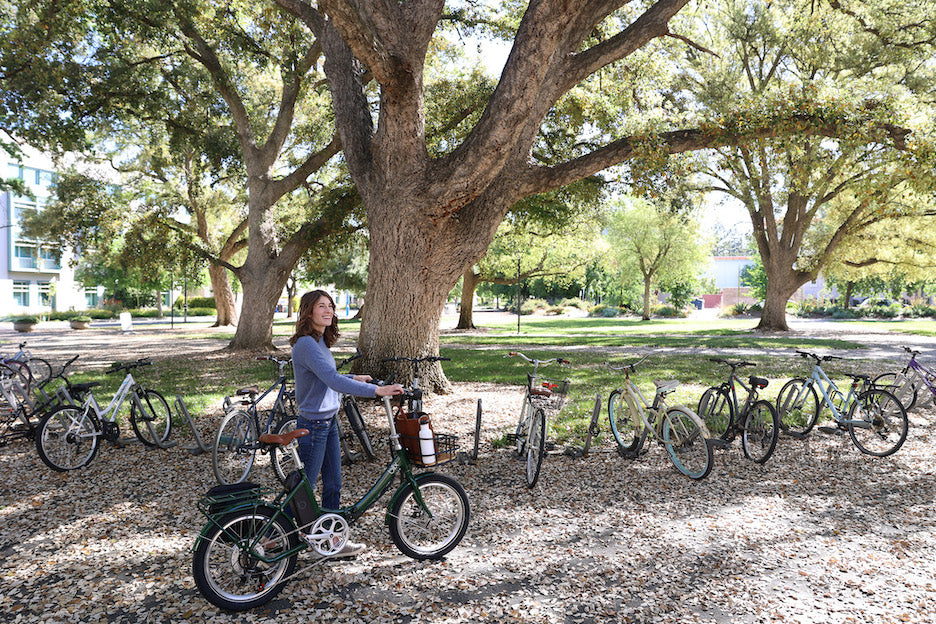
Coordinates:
685	443
624	419
761	432
877	423
900	386
153	424
67	439
353	412
798	406
431	527
40	370
717	412
235	447
283	461
535	447
226	563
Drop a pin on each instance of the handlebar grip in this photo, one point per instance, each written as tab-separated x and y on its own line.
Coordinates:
561	361
511	353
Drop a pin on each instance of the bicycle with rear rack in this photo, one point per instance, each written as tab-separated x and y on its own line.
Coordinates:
541	395
237	442
755	420
69	436
874	419
909	381
678	429
249	547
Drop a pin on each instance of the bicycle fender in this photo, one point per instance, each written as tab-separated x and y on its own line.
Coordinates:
215	520
414	482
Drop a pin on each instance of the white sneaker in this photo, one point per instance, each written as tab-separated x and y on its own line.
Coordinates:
350	550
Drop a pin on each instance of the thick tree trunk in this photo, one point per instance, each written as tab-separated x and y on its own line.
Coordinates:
223	296
469	284
255	326
779	290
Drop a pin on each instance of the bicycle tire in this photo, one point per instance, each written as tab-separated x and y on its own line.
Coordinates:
429	536
798	409
282	460
235	447
39	369
884	423
536	447
900	386
717	411
225	572
624	419
353	413
760	432
14	369
683	438
156	414
67	438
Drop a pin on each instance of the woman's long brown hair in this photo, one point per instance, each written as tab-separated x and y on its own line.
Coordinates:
304	325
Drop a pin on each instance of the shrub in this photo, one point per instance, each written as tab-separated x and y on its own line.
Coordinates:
100	314
196	302
668	311
738	309
81	319
845	313
25	319
884	311
921	310
555	310
532	305
581	304
755	308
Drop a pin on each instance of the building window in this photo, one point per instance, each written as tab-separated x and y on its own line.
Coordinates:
46	297
49	261
91	297
25	257
21	293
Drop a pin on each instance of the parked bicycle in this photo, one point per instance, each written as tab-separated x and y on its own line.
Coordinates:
678	429
542	395
249	547
874	418
908	382
755	420
30	369
69	436
237	441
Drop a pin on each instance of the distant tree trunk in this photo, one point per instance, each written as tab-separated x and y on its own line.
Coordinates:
290	295
646	298
848	294
469	284
223	296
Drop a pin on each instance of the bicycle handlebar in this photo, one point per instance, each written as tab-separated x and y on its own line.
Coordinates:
428	358
632	368
818	358
733	365
557	360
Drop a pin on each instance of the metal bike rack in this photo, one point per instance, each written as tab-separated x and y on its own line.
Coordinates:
471	457
592	432
200	446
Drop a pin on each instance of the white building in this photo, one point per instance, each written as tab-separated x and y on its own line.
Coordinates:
32	279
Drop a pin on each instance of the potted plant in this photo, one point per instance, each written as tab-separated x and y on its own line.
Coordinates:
24	323
80	322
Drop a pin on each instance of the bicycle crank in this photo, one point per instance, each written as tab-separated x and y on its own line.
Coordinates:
329	534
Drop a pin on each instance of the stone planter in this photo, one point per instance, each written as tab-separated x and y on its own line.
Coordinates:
23	326
79	324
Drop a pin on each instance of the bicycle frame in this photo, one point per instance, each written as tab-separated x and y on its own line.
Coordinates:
400	463
644	407
920	373
826	388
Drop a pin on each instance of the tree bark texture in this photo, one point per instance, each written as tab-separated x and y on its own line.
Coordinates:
466	311
223	296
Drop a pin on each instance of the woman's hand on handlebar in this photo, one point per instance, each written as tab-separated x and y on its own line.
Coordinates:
391	390
363	378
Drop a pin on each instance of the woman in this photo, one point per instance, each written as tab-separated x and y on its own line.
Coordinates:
318	390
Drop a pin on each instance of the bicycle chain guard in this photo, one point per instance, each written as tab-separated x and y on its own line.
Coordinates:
329	534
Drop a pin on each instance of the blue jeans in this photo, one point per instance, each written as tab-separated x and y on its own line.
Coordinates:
320	452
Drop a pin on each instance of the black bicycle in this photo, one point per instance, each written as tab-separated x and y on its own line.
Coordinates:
755	420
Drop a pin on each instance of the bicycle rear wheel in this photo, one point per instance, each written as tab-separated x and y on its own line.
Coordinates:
877	423
797	406
624	419
225	565
353	412
535	447
40	370
717	412
235	447
523	425
154	425
761	432
900	386
683	439
67	438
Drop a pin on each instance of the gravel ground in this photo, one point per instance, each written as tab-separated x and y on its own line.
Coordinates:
819	534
